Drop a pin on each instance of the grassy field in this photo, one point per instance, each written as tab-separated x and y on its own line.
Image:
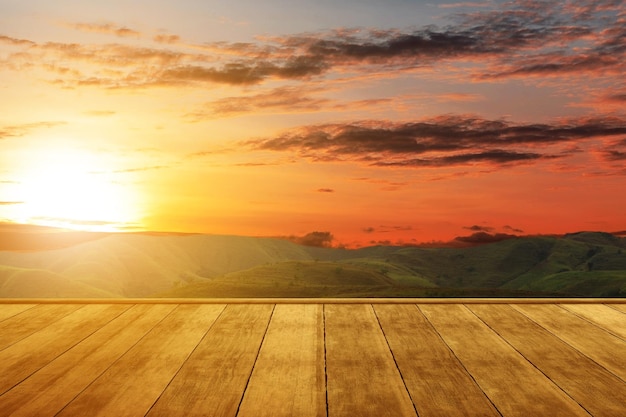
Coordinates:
578	265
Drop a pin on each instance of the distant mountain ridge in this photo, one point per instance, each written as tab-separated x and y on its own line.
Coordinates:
583	264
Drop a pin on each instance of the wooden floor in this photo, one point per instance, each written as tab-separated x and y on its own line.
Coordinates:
310	359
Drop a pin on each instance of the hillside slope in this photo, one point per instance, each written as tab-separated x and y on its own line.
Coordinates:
585	264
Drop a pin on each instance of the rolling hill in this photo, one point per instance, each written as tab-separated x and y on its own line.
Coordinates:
585	264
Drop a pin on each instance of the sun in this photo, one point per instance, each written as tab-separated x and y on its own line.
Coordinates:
74	189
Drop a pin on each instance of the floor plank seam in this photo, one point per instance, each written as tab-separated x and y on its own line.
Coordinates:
38	330
183	362
609	331
64	352
325	368
267	326
394	360
571	346
18	313
104	371
471	376
612	305
529	361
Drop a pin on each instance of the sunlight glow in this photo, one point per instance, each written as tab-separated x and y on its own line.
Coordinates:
74	189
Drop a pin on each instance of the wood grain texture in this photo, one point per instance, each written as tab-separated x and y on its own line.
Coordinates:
52	387
619	307
395	359
363	379
589	384
30	354
134	382
512	383
289	375
603	316
213	379
430	370
594	342
10	310
24	324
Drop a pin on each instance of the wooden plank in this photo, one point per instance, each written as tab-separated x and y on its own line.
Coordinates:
30	354
438	383
512	383
10	310
214	378
620	307
362	377
601	346
589	384
607	318
30	321
133	383
51	388
289	375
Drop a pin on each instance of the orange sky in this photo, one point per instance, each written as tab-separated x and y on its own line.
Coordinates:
400	123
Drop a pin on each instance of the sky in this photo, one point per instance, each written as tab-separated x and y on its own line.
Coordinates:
368	122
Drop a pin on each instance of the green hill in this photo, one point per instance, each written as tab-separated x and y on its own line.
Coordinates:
585	264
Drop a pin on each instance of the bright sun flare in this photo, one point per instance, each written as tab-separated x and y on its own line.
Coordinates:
74	189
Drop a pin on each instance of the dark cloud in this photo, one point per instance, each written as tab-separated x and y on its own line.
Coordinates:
369	230
514	39
317	239
325	190
496	156
512	229
441	141
477	228
483	237
245	73
619	98
615	151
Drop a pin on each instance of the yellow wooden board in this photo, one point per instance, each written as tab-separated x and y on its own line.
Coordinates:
514	385
602	316
134	382
430	370
30	354
289	375
10	310
601	346
52	387
19	326
213	379
619	307
589	384
363	379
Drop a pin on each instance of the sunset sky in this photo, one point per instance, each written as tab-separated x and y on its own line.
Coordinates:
398	121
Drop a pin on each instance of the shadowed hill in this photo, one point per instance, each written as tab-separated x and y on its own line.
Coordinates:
585	264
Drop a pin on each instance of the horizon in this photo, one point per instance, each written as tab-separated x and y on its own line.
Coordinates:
34	238
396	124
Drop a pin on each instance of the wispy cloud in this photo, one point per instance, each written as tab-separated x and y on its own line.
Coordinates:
283	99
106	28
516	39
10	203
11	131
477	228
441	141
